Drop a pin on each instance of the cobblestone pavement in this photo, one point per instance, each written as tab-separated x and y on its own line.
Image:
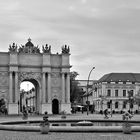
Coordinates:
18	135
72	116
14	135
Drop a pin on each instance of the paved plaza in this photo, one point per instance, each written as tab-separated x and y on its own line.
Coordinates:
78	115
12	135
18	135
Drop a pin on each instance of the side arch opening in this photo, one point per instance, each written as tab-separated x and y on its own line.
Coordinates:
55	106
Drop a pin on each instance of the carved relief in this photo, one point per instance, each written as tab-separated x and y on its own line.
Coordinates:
55	79
3	79
55	92
3	93
55	97
55	74
55	82
29	75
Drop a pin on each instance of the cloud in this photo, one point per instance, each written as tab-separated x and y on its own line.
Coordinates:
100	33
84	1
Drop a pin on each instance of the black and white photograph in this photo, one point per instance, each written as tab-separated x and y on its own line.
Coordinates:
69	69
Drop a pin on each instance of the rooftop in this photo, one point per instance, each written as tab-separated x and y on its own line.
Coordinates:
120	77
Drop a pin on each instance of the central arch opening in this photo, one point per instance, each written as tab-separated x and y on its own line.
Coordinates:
29	96
55	106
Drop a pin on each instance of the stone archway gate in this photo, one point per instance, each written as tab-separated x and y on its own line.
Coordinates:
51	71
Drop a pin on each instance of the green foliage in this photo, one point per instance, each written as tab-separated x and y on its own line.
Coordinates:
75	91
73	75
130	93
2	102
131	99
3	108
137	98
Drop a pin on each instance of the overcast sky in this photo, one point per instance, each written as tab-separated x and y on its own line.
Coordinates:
101	33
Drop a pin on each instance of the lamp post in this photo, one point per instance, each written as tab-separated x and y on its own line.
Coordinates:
87	89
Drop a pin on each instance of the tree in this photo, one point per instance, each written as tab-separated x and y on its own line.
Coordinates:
137	98
75	91
131	99
2	102
3	108
73	75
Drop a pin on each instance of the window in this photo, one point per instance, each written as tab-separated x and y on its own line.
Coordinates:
132	92
124	104
108	104
109	92
116	105
116	93
131	106
124	93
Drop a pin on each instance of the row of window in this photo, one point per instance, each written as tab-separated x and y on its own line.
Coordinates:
117	105
117	93
122	82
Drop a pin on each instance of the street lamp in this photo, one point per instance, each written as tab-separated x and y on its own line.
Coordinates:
87	89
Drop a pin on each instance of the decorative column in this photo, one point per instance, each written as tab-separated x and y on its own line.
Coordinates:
40	99
16	87
63	87
68	87
43	88
49	87
10	88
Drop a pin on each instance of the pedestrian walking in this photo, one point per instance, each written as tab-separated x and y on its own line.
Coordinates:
106	113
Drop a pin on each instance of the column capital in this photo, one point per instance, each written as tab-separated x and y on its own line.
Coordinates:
46	72
10	71
49	72
43	72
68	73
65	73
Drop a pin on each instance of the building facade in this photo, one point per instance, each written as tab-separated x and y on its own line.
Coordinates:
112	91
49	73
